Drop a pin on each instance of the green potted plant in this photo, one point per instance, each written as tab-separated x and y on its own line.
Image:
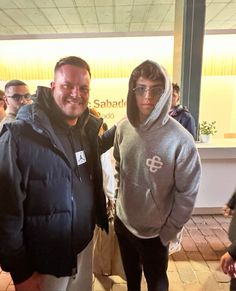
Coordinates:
207	129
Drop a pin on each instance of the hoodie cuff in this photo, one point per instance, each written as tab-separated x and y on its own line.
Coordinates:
168	234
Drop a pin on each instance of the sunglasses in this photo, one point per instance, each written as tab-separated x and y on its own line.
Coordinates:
154	92
19	97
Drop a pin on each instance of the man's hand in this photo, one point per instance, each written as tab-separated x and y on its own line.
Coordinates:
32	283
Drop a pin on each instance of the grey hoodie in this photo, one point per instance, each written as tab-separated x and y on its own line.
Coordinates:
158	170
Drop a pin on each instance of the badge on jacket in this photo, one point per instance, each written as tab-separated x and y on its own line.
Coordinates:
80	158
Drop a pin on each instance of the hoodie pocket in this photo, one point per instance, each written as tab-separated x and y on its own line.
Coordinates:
138	206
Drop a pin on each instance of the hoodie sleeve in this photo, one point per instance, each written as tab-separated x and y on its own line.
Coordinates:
13	255
187	180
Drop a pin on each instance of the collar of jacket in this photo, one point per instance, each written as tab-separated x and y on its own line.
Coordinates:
177	109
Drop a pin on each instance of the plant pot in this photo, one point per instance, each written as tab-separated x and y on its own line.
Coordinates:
205	138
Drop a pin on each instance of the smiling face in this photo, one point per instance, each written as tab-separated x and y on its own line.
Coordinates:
70	91
147	101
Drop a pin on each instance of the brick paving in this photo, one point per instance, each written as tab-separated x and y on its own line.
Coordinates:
194	268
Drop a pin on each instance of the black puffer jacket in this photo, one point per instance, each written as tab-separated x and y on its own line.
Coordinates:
39	214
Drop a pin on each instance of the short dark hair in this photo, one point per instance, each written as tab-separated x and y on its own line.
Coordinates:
14	83
74	61
175	87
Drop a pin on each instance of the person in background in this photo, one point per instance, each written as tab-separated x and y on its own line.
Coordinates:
51	185
228	260
103	243
3	106
107	168
181	113
16	95
158	175
108	175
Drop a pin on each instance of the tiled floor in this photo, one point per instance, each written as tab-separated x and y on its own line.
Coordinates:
194	268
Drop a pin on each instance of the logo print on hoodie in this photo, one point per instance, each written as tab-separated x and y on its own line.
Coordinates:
154	164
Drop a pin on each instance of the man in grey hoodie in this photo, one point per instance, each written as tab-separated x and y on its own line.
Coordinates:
158	173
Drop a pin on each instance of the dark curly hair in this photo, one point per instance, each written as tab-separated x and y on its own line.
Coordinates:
175	87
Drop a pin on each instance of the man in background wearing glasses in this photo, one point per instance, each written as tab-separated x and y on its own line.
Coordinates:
16	95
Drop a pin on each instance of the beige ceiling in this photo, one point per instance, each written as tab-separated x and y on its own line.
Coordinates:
55	18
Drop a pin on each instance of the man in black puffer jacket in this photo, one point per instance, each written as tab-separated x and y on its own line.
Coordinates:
51	185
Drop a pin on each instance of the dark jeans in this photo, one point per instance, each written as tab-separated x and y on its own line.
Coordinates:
137	253
232	284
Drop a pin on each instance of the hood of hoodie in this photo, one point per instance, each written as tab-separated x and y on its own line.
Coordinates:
160	114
